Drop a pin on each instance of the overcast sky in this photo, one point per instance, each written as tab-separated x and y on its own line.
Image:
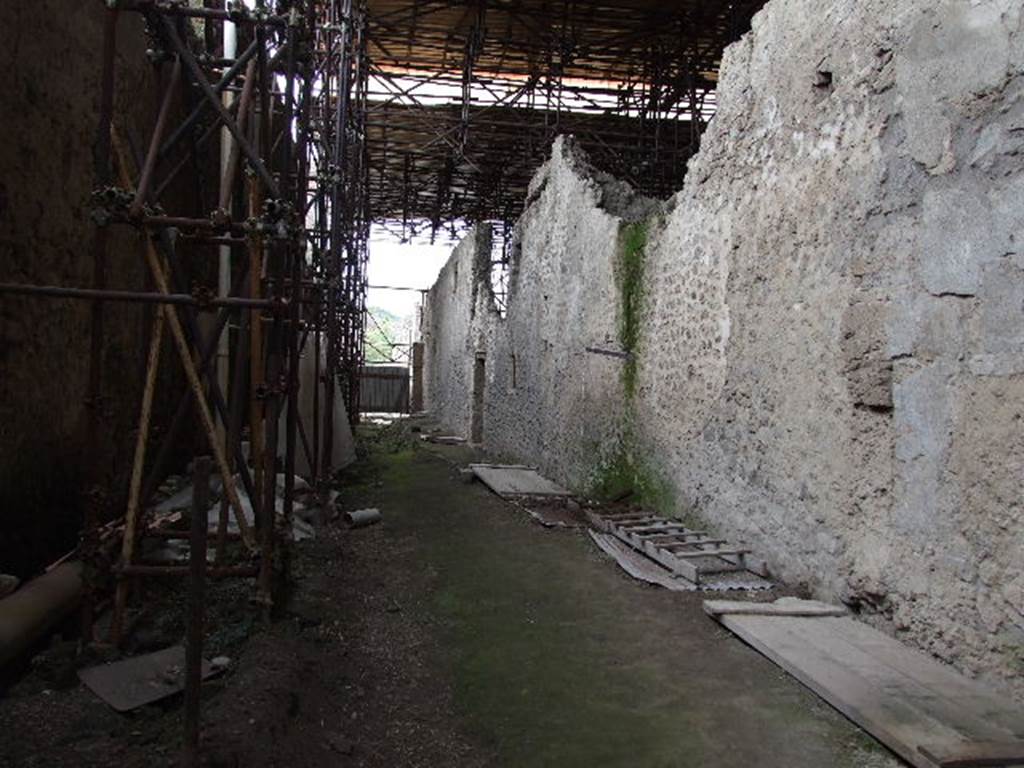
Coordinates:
409	266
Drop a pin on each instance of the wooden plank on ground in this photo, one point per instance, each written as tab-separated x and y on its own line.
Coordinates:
623	516
516	481
692	554
903	698
638	566
681	567
784	606
644	527
672	544
977	755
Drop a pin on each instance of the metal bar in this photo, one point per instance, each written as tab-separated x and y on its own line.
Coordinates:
334	276
102	169
396	288
268	505
256	358
130	535
182	130
243	115
146	176
140	297
294	266
237	404
196	607
229	123
179	9
215	572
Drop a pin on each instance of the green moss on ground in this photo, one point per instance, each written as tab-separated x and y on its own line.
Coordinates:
554	658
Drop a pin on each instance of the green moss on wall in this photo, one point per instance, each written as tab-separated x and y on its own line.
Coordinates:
633	243
626	472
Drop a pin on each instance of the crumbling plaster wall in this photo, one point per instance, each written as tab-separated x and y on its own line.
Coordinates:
450	334
547	398
831	359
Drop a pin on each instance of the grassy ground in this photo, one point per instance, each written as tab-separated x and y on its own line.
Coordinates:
557	658
454	633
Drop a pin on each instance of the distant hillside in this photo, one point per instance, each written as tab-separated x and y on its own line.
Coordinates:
387	336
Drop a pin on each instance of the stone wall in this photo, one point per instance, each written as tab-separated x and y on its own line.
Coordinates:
450	334
825	323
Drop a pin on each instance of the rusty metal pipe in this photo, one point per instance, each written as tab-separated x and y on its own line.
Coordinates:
146	177
102	171
235	152
185	222
360	518
214	99
138	297
197	607
182	130
175	9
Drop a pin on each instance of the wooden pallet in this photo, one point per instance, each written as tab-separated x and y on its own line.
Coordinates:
685	552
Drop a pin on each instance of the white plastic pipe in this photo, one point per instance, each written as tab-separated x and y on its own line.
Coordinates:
362	517
224	252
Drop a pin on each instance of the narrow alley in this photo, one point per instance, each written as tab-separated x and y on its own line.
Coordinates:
459	632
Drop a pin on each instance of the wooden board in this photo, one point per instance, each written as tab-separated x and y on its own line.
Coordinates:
444	439
903	698
638	566
552	515
516	481
977	755
641	567
135	682
784	606
681	550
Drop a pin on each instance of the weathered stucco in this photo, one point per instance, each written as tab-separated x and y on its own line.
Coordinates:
447	332
830	359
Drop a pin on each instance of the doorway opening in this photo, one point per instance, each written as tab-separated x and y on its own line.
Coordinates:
476	424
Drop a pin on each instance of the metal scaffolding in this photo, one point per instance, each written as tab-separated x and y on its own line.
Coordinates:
421	117
465	98
303	122
280	91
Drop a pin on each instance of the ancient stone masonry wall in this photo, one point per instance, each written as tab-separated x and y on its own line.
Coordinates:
844	255
450	334
546	397
825	324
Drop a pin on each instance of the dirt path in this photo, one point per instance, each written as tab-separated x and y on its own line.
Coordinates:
458	633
